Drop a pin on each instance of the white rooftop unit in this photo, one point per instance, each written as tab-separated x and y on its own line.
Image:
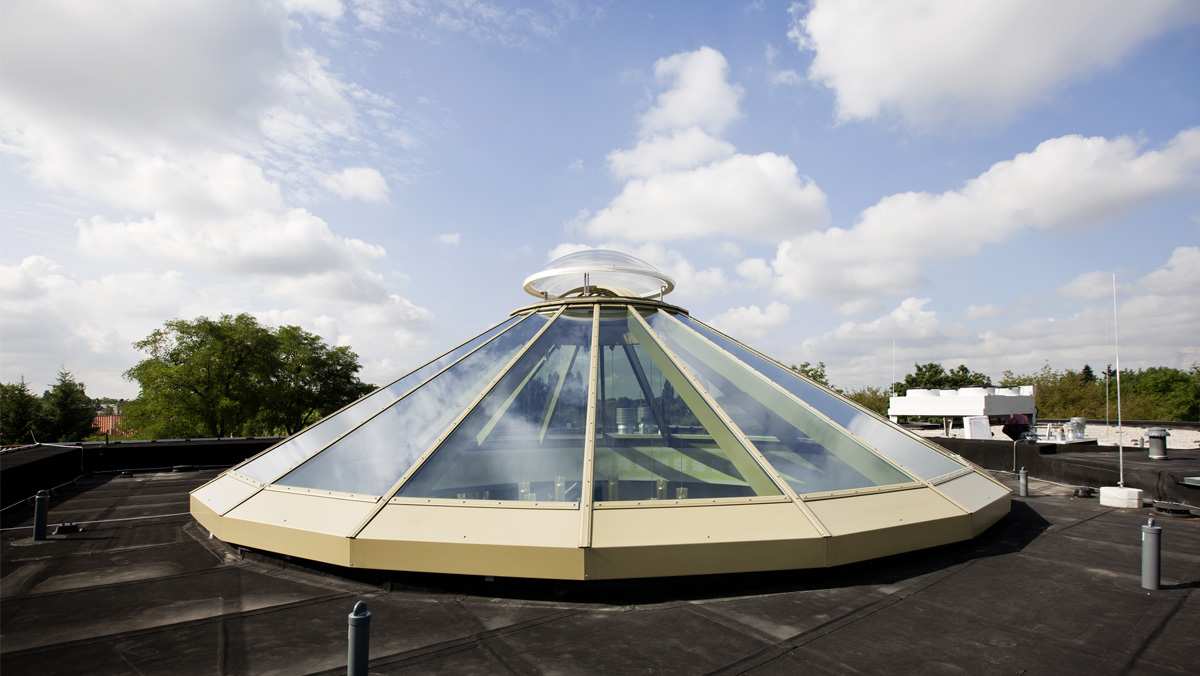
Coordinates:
965	402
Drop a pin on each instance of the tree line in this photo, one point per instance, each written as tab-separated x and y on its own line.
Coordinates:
230	376
1155	393
63	413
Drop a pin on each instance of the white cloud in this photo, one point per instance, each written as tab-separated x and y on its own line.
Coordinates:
697	94
753	322
1066	184
1179	277
656	154
362	183
329	10
758	197
448	238
685	183
982	312
196	134
968	60
1088	285
1159	316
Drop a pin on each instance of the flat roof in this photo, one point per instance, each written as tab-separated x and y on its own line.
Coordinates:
1054	587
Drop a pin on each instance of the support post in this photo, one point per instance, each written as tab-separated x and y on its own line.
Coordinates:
358	651
1151	555
41	508
1024	483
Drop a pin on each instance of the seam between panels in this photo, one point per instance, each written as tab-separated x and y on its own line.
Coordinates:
391	492
765	466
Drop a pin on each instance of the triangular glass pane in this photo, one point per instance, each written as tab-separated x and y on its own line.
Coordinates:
656	437
912	455
525	438
270	465
373	457
811	454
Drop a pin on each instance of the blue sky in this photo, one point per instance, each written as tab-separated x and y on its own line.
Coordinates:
943	180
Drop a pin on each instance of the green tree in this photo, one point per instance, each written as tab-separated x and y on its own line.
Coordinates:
22	414
813	373
203	378
312	380
70	413
934	375
876	399
235	377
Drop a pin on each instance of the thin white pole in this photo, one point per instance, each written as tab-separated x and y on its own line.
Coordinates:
892	387
1107	368
1117	352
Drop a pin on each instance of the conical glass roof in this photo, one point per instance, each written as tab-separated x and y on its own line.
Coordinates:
605	400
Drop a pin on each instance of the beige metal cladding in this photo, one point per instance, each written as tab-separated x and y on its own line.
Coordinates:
658	474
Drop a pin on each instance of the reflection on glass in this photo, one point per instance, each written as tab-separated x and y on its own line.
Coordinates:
525	439
371	459
812	455
295	450
656	437
913	456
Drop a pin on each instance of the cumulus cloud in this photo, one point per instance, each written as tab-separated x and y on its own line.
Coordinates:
752	322
197	134
698	93
1159	315
684	182
982	312
448	238
362	183
1088	285
1065	184
937	59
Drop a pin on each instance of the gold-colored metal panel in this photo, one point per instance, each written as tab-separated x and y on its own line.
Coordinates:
556	563
973	491
881	524
475	526
313	513
704	559
701	525
290	541
224	493
983	518
205	516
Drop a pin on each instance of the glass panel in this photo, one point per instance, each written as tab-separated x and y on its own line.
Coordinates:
525	439
911	454
373	457
656	437
812	455
268	466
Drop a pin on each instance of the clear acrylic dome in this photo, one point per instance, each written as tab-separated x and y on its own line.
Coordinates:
598	272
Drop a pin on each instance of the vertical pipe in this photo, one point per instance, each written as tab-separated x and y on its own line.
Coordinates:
359	644
1151	555
41	508
1024	483
1117	353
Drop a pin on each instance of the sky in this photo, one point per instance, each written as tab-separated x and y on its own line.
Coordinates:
865	183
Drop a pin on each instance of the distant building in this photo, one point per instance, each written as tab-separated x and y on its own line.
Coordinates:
110	425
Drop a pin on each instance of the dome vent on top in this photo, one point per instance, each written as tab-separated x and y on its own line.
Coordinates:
598	272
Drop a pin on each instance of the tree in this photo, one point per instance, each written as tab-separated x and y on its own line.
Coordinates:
934	375
235	377
1086	375
813	373
873	398
71	414
312	381
22	414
